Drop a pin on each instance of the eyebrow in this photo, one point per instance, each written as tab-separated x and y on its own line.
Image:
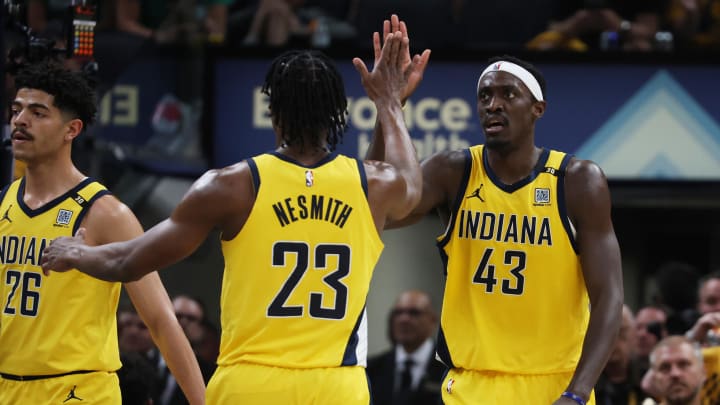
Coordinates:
31	105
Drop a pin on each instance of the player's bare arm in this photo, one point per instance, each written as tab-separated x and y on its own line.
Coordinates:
588	199
442	174
414	68
217	199
384	86
110	221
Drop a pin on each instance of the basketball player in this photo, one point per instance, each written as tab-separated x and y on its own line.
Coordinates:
58	335
534	294
300	237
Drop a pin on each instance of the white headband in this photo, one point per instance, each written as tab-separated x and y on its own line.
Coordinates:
518	71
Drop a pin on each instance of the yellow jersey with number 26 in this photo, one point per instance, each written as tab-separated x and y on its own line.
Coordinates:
58	323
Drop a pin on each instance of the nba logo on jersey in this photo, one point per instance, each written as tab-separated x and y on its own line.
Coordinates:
309	178
63	217
542	196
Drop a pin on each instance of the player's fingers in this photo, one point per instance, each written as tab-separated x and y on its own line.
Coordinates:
360	67
377	46
395	51
404	49
394	23
386	30
403	28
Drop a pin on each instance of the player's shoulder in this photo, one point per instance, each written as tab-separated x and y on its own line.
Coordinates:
582	170
227	185
454	157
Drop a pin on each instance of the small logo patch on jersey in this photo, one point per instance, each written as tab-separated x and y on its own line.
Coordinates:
542	196
449	385
71	395
309	178
476	194
63	217
6	215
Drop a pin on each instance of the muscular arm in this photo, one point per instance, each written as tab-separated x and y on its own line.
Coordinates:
588	200
441	177
110	221
214	200
400	183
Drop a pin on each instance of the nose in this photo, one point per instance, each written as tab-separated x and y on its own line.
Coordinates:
494	104
19	119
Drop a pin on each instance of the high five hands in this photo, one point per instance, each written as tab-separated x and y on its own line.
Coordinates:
413	68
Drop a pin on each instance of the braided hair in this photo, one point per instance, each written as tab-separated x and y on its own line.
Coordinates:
307	99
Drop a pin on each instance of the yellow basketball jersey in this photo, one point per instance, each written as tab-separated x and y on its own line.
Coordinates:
56	324
711	387
297	275
515	298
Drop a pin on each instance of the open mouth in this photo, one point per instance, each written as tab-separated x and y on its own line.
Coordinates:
20	136
494	125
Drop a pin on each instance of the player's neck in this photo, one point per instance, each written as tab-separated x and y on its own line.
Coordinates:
47	180
513	165
308	155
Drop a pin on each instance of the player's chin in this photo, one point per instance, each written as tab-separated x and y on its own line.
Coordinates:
496	142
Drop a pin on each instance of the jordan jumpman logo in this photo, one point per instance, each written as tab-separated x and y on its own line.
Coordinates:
71	395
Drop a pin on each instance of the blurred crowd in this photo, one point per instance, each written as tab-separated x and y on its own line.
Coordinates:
569	25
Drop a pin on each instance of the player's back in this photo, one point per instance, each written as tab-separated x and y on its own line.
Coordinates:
297	274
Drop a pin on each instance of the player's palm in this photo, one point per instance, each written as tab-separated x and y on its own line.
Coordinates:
413	67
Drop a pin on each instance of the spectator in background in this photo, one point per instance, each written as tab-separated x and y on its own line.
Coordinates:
706	329
168	22
709	293
275	23
678	288
696	23
619	383
408	373
137	379
634	24
190	312
650	328
133	334
676	372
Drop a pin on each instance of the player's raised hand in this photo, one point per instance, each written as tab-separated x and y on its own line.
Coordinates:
387	80
61	254
413	67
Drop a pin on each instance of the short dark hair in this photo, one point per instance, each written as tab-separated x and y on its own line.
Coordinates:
307	97
72	92
527	66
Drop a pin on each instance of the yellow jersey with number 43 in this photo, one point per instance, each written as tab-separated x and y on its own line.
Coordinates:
56	324
515	298
298	273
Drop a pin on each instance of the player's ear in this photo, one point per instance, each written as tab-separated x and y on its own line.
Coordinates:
73	128
538	109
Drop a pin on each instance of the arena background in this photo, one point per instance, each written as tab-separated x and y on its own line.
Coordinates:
651	121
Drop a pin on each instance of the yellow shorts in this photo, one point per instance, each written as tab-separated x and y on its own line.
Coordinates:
84	389
465	387
252	384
